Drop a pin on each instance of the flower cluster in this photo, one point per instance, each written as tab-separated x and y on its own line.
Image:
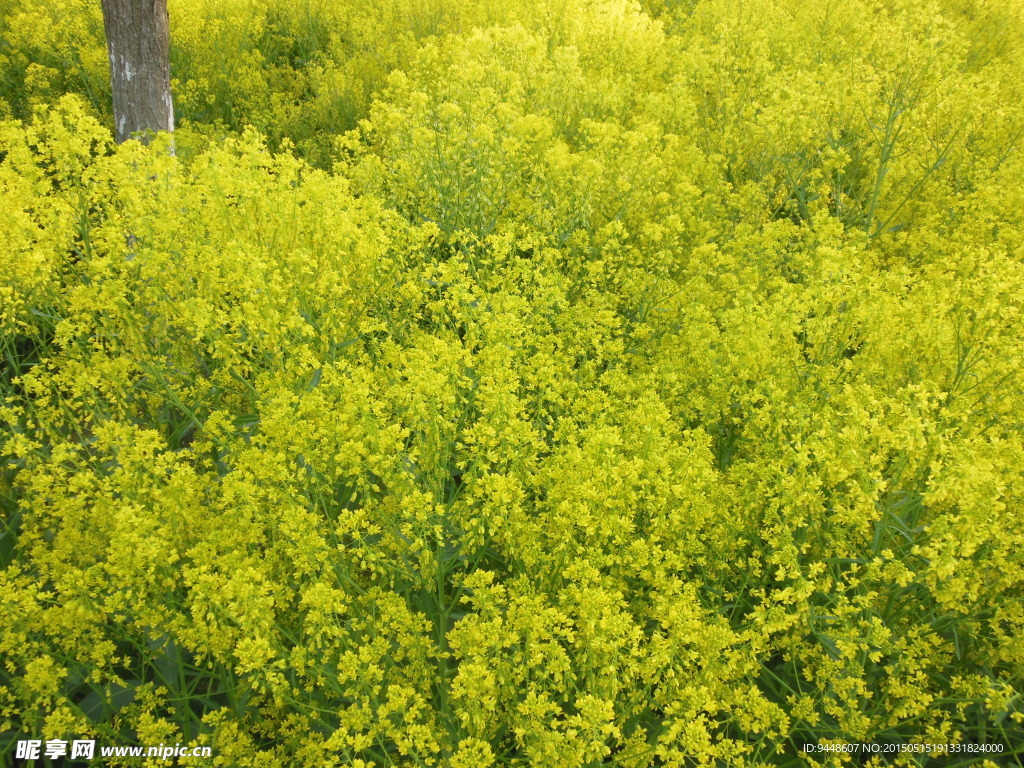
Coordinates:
556	383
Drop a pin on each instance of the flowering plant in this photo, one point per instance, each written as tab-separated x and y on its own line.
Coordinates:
554	383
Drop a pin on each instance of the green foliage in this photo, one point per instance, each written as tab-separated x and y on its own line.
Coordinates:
555	383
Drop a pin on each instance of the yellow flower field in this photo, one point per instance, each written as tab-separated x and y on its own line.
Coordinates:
555	383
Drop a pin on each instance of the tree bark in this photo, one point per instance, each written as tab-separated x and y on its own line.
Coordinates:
138	42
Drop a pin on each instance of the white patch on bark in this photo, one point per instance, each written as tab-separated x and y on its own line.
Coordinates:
127	70
170	110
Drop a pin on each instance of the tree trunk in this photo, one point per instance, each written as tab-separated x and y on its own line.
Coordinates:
138	41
